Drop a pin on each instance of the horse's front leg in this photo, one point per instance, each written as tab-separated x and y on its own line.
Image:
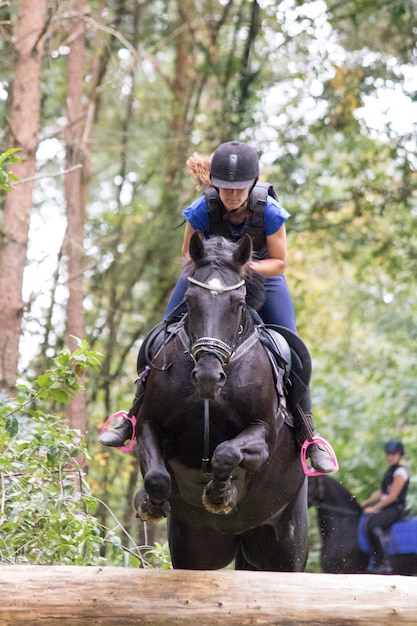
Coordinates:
248	450
151	503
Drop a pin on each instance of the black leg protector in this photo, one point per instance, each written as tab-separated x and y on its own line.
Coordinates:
137	400
305	430
379	541
303	418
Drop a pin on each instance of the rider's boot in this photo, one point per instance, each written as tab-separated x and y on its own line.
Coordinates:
382	561
304	428
117	436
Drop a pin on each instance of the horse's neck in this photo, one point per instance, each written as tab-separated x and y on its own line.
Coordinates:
337	500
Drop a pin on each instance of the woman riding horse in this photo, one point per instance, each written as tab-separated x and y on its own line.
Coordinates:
386	505
236	204
345	549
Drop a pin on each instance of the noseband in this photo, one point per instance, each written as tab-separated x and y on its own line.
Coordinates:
211	345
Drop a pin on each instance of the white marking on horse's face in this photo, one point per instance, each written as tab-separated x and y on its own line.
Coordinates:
217	284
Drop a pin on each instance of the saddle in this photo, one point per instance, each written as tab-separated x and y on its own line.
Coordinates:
401	537
292	357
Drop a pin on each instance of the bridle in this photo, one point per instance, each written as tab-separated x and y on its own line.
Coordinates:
221	350
216	288
211	345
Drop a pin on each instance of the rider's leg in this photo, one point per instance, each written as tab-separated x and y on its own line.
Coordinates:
378	541
117	436
279	310
305	430
376	524
177	296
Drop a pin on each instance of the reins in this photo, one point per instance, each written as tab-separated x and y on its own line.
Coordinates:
334	507
206	439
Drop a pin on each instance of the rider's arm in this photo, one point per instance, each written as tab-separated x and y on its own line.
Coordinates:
397	484
277	251
188	233
373	498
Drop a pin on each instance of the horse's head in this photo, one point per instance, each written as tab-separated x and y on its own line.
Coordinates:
216	303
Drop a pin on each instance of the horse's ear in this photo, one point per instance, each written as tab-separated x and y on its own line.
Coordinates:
196	247
243	252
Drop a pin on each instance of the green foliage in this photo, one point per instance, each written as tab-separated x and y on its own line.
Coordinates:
6	178
46	505
158	557
45	513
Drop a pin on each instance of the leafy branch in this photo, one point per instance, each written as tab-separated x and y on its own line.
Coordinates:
6	178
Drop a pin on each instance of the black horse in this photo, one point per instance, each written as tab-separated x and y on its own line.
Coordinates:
216	455
339	515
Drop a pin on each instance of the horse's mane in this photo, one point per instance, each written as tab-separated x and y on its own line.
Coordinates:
339	493
219	253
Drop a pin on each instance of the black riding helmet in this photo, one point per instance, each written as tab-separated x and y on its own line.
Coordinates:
394	447
234	165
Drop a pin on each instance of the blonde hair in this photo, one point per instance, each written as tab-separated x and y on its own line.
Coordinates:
200	169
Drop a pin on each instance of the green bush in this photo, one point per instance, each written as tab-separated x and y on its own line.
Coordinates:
45	502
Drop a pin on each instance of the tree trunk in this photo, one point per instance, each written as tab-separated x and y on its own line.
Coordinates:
75	196
111	596
24	125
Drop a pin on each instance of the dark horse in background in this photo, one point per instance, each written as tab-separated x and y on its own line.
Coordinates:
339	516
216	455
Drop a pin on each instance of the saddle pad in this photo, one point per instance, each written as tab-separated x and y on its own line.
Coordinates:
402	537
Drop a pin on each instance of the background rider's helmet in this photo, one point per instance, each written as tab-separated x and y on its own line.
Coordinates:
234	165
394	447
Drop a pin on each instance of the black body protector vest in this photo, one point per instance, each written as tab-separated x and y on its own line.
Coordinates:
254	225
387	482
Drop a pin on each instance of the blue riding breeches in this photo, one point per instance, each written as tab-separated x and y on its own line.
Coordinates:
278	308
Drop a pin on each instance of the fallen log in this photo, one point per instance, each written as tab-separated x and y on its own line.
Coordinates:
110	596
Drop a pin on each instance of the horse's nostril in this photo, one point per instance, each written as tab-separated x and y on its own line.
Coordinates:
222	378
208	378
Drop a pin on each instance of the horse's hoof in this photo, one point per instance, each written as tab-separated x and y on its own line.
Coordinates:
148	511
222	503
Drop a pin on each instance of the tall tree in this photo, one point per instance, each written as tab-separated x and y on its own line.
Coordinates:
24	126
75	192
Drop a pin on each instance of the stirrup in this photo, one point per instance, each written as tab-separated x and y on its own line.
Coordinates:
311	471
115	417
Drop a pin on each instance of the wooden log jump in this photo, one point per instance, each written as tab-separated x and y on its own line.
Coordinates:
110	596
